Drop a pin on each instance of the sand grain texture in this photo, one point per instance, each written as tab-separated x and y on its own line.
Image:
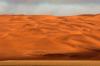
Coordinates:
49	37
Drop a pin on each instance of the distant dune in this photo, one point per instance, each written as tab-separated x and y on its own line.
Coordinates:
43	37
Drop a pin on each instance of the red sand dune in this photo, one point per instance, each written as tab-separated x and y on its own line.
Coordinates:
36	35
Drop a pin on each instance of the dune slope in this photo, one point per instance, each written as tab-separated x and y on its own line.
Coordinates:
35	36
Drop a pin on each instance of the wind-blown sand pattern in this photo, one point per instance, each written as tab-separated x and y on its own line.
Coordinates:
38	37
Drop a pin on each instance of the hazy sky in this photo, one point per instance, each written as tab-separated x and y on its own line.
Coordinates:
50	7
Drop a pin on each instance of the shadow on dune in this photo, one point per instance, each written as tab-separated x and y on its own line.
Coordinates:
90	55
95	55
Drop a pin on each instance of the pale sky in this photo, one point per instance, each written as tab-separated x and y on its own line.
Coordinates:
50	7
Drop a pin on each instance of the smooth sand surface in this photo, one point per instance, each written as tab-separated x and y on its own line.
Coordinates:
49	63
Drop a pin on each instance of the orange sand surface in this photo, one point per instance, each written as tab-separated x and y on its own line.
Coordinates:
36	36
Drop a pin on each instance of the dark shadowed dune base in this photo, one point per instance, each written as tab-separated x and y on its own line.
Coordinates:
38	37
60	56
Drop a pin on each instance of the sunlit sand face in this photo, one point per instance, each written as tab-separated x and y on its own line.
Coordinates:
50	37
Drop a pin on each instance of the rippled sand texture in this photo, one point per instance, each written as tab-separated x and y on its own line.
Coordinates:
49	37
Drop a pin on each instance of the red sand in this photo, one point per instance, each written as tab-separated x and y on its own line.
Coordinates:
26	36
